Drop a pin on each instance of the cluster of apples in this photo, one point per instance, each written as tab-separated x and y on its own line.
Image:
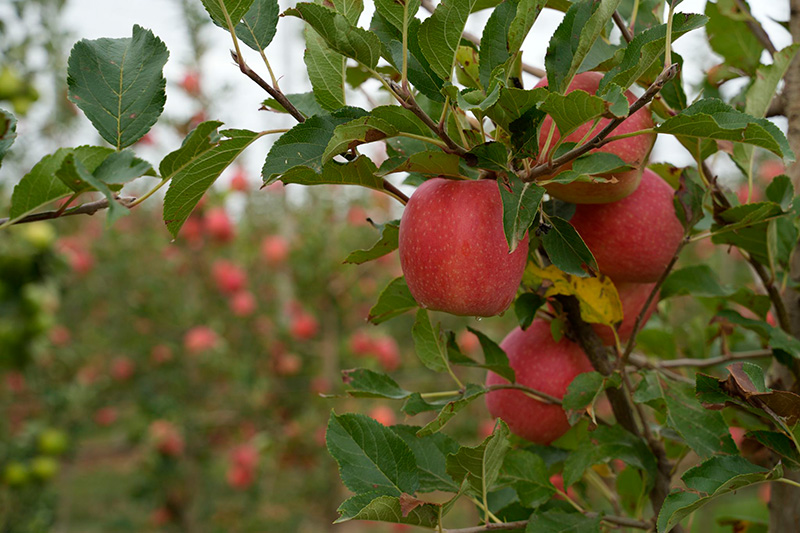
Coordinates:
455	258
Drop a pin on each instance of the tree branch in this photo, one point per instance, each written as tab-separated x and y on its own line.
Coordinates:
600	139
623	521
702	363
89	208
626	32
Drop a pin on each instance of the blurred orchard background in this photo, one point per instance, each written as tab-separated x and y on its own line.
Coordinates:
156	385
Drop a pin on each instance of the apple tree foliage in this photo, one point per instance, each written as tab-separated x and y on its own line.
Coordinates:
456	105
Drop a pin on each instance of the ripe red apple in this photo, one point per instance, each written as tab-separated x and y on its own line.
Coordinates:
387	352
635	238
218	225
357	216
274	249
160	354
60	335
105	416
633	297
15	382
240	478
167	438
243	303
383	414
199	339
239	181
361	344
303	326
633	150
245	455
287	364
191	82
453	250
228	276
542	364
122	369
468	342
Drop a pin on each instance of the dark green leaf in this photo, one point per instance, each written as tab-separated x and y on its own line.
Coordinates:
340	34
527	474
371	457
480	465
513	103
781	191
386	244
585	389
520	204
451	408
494	50
394	300
357	132
778	443
556	521
525	307
366	383
440	34
326	71
566	249
526	14
491	156
119	84
74	174
495	358
430	162
306	103
430	452
398	14
688	201
697	280
573	110
733	40
198	169
373	507
236	9
258	25
429	342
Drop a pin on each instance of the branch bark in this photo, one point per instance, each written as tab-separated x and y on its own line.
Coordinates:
89	208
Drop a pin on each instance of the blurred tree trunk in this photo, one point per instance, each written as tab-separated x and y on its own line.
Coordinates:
784	503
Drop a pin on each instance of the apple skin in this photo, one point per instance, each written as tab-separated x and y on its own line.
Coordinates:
633	150
635	238
453	251
542	364
633	297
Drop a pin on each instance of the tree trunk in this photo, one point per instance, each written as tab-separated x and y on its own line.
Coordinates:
784	505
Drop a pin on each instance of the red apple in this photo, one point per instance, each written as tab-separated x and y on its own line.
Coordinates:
633	297
122	369
200	339
245	456
357	216
542	364
228	276
361	344
239	181
288	364
303	326
218	225
453	250
633	150
240	478
387	352
160	354
468	342
167	438
15	381
191	83
274	249
105	416
60	335
243	303
383	414
635	238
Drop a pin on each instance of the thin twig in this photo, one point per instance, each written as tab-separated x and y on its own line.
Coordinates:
89	208
541	396
626	32
756	28
273	92
623	521
600	139
713	361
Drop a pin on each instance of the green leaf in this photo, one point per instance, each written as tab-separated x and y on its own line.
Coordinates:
371	457
697	280
520	204
75	175
236	9
394	300
366	383
398	14
340	34
430	452
781	191
451	409
778	443
386	244
40	186
556	521
119	84
688	201
566	249
475	101
527	13
607	443
357	132
733	40
647	48
491	156
745	226
715	477
304	144
389	509
8	132
326	71
526	306
573	39
196	165
350	9
513	103
480	465
440	34
710	118
527	474
430	162
306	103
361	172
573	110
494	357
495	49
585	389
258	26
429	343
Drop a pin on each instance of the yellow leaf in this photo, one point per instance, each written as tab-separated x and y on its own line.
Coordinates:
598	298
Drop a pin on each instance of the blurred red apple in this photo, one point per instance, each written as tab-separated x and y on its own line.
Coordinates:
105	416
15	381
245	455
361	343
303	326
357	216
218	225
60	335
288	364
122	368
191	82
240	478
239	181
468	342
200	339
388	353
453	249
160	354
243	303
383	414
274	249
166	438
228	276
